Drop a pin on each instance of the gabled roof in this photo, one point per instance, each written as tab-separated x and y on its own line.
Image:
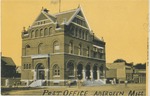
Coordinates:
65	15
52	17
7	61
68	16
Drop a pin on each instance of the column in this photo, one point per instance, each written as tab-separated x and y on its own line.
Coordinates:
75	73
27	83
98	75
91	71
83	72
34	74
46	74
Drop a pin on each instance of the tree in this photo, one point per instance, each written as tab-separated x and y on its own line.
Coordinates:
140	66
119	60
122	60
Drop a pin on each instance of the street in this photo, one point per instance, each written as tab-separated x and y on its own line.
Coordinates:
105	90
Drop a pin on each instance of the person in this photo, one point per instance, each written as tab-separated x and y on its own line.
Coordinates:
69	83
126	82
114	81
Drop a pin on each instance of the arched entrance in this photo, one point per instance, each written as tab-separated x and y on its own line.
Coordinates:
101	70
40	71
94	72
88	71
79	71
70	70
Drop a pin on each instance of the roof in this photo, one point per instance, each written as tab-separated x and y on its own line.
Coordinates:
65	15
7	61
115	65
97	39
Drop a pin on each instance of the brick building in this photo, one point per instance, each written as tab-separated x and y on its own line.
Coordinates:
59	47
120	71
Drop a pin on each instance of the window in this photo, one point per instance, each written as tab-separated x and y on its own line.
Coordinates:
27	49
79	49
85	36
94	54
50	30
24	66
80	33
40	48
72	30
46	32
70	69
88	50
41	32
71	47
56	46
32	34
76	32
29	66
36	33
56	70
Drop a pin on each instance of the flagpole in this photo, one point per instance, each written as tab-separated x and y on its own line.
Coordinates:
59	5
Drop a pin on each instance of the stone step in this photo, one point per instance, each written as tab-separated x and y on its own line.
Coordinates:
36	83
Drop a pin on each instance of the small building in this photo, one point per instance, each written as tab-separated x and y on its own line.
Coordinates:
8	71
120	71
139	76
8	67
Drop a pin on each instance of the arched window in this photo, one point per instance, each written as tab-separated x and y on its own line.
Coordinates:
50	30
40	48
76	32
27	49
71	47
24	66
46	32
80	33
36	33
32	34
41	32
86	36
56	46
79	49
70	69
56	70
88	51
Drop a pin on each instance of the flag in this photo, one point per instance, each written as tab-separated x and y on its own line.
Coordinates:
55	2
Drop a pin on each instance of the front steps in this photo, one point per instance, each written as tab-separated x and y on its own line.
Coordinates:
37	83
93	82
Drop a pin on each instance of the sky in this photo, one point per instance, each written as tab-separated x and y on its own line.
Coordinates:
122	23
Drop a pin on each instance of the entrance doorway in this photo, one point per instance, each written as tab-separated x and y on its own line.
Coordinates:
79	71
40	71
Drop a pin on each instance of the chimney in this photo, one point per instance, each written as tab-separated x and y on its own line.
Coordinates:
45	10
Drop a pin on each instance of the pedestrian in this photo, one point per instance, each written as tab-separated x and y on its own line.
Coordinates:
69	83
114	81
126	82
